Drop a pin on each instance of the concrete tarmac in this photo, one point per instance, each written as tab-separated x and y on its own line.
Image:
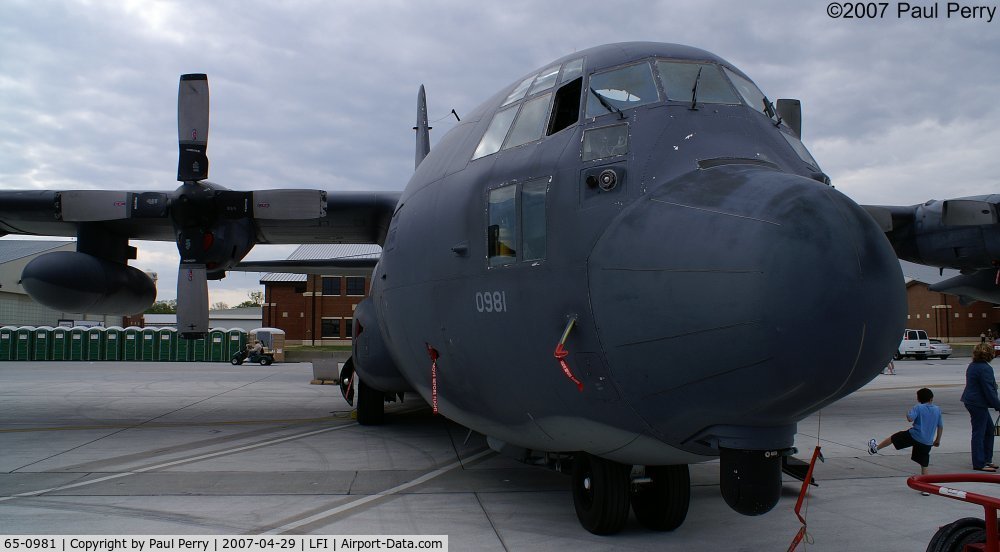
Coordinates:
207	448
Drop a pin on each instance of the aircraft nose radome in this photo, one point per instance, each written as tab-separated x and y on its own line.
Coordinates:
737	286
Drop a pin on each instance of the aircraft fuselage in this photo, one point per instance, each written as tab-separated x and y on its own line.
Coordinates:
706	261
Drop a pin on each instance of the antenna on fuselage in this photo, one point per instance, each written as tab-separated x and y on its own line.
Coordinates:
423	131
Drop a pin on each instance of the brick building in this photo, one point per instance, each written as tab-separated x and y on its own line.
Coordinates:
944	317
316	309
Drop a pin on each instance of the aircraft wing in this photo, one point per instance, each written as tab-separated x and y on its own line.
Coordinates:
350	217
214	228
42	213
961	233
341	266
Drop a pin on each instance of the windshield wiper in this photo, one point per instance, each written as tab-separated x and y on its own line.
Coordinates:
606	104
770	112
694	89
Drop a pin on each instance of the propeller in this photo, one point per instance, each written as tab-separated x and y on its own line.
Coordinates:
192	128
214	226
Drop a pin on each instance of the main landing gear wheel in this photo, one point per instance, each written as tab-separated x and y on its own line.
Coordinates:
662	504
371	404
600	493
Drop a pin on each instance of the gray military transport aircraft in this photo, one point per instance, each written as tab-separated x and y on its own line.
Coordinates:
617	266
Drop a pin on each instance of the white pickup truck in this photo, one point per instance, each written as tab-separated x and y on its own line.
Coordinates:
915	344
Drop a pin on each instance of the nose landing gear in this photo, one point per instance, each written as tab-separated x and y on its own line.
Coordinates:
603	490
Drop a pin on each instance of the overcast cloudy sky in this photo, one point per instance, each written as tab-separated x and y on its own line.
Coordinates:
322	93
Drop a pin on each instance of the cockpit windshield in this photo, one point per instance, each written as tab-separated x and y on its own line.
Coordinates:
690	82
749	91
622	88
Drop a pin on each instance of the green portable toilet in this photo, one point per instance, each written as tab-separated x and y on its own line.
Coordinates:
199	349
236	339
147	344
60	343
217	345
113	343
166	347
24	342
42	350
7	338
186	349
131	339
94	350
77	341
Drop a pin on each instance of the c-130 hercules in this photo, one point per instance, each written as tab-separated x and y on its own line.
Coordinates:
568	270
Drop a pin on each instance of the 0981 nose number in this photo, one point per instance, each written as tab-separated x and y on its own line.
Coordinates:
491	301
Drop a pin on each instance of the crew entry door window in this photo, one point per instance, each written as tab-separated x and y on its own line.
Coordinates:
501	234
516	227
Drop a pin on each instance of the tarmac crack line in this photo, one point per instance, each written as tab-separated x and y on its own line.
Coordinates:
174	463
490	519
293	525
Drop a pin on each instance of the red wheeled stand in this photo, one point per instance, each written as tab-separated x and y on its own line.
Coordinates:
966	534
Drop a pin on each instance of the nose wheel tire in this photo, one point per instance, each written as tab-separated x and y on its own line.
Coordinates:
600	493
662	504
371	404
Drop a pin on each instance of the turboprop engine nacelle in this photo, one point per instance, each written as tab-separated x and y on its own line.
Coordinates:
71	281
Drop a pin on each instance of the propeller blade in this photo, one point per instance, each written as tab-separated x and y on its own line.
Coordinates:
94	205
192	128
289	204
192	300
968	212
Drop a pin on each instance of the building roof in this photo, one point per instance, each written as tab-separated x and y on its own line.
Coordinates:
282	277
11	250
312	251
323	251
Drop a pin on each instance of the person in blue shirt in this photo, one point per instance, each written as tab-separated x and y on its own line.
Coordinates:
925	433
980	396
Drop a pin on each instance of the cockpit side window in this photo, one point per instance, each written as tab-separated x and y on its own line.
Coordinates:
518	92
748	91
524	116
566	107
496	132
530	122
622	88
686	82
545	80
571	70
